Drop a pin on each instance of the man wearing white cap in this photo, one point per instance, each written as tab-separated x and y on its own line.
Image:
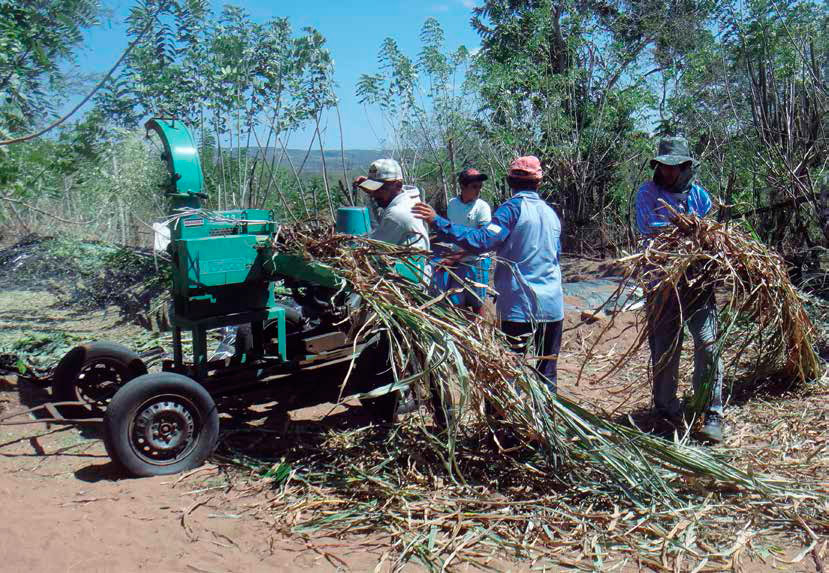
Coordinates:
397	224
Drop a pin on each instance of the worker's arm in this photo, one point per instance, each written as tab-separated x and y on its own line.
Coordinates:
648	221
472	240
652	216
703	206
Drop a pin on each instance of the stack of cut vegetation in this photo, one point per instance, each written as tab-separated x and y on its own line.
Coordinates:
86	274
760	309
79	276
574	483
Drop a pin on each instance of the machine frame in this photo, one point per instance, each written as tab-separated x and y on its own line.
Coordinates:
225	265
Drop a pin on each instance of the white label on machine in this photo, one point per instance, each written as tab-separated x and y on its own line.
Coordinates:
161	236
193	222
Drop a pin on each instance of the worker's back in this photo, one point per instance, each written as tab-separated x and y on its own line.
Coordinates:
528	276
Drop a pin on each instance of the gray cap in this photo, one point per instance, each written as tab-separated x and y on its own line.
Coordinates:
672	151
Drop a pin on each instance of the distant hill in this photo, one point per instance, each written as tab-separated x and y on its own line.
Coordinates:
356	160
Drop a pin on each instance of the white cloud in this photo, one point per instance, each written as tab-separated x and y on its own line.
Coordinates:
440	7
468	4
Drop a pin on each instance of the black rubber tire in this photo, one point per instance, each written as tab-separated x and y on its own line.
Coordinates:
167	396
115	363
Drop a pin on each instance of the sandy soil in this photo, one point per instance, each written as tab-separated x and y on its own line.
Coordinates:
66	507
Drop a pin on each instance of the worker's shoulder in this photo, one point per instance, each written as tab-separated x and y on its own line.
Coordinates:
401	210
545	211
647	188
646	194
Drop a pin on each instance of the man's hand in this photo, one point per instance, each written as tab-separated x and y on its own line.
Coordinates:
453	259
355	184
424	211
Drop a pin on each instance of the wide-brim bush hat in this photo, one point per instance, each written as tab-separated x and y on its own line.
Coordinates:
673	151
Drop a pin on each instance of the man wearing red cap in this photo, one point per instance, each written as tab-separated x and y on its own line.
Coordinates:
460	269
525	233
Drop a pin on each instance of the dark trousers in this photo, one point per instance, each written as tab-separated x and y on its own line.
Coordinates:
546	340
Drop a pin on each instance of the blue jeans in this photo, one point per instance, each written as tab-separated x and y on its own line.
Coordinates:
471	296
666	317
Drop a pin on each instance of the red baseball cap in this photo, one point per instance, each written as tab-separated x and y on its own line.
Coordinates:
527	167
470	176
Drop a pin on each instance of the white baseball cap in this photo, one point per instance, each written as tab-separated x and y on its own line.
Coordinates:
381	171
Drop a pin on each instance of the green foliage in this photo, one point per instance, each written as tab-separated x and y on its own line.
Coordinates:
40	343
426	107
558	80
754	99
36	39
32	351
586	85
581	85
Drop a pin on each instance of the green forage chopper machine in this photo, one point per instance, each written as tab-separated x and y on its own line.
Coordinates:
224	266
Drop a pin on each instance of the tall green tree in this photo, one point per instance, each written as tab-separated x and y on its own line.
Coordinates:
36	40
244	86
567	81
426	104
755	100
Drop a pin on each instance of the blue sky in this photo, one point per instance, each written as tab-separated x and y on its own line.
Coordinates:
354	31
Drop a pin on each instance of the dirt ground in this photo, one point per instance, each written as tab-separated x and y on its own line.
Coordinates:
65	507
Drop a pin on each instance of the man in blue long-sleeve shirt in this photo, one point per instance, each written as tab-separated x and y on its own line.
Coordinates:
525	233
673	184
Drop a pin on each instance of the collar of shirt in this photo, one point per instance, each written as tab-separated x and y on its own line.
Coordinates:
399	198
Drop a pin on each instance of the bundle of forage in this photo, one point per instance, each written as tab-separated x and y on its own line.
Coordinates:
483	384
759	308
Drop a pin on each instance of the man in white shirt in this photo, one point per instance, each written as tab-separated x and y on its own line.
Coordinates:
463	269
397	225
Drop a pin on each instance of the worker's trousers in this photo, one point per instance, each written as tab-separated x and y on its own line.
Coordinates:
666	317
546	340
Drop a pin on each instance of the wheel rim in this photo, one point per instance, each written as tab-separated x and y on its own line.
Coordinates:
98	381
164	429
